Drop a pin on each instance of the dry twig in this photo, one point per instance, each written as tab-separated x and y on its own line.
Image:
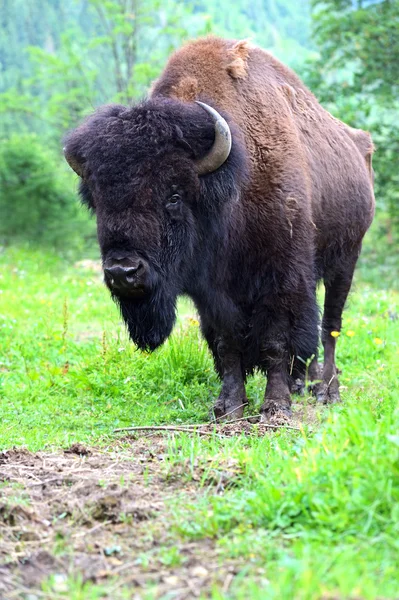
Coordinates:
188	428
197	427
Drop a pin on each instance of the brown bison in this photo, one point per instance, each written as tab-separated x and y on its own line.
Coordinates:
230	184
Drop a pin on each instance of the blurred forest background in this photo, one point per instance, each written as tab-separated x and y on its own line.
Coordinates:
60	59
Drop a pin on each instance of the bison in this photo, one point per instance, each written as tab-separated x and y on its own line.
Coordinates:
232	185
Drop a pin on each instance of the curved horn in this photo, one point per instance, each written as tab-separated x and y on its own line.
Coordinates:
220	150
72	162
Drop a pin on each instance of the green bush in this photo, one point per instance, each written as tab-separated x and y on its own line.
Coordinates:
37	202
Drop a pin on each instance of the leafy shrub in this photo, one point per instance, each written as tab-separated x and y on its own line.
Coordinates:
37	202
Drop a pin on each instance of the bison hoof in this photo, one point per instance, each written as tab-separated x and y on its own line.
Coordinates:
275	412
297	386
225	409
327	394
218	410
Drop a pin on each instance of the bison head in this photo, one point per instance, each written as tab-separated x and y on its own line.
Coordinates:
158	176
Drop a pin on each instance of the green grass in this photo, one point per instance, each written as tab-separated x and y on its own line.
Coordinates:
67	369
309	515
317	511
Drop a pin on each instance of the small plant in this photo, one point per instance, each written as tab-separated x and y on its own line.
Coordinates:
170	557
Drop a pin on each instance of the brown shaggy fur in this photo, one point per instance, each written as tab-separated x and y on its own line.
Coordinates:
237	68
287	132
311	193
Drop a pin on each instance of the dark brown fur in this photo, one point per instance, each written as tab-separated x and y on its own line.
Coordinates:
248	242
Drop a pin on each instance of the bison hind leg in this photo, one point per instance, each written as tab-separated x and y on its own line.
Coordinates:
288	337
305	376
337	283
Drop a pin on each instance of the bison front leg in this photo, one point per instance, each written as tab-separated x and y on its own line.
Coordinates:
277	396
232	398
274	355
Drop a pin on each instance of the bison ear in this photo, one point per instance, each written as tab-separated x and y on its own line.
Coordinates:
76	163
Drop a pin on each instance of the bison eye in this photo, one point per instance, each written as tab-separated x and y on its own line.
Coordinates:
173	200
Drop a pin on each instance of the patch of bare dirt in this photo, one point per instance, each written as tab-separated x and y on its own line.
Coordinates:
78	449
304	413
309	413
102	516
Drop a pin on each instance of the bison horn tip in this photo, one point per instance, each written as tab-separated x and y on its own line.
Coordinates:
221	147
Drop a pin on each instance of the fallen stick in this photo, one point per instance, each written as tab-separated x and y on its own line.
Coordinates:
189	429
87	532
196	428
269	425
58	478
233	410
190	426
237	420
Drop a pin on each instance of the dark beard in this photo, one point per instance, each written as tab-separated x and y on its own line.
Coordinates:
149	321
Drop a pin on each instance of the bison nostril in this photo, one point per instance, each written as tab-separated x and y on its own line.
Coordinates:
110	272
134	269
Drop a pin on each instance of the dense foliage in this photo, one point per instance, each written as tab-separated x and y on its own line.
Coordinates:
59	62
356	76
37	201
